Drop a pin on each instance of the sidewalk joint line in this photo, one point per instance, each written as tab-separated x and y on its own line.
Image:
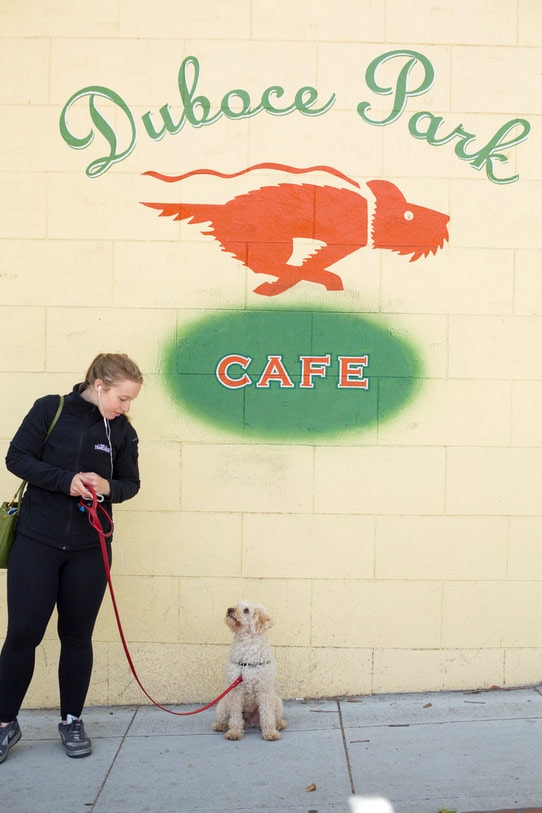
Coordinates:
117	752
345	746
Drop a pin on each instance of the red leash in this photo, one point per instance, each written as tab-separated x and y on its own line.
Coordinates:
94	519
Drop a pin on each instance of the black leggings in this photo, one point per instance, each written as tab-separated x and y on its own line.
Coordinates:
40	576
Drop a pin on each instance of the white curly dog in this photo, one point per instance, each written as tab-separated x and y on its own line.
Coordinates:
254	701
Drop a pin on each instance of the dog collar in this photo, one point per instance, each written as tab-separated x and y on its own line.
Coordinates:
258	663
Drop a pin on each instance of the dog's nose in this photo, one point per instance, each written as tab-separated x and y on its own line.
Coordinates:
230	610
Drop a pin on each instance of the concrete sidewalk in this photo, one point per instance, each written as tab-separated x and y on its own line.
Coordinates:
456	751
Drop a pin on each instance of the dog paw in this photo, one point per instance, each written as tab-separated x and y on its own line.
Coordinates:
271	735
281	724
233	734
220	727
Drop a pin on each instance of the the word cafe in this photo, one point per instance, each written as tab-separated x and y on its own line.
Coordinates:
350	373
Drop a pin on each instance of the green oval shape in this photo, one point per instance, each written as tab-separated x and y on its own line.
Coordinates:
291	412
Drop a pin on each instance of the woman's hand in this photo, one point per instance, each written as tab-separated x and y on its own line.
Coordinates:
78	487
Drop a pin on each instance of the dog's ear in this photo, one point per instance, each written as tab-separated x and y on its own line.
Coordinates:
262	620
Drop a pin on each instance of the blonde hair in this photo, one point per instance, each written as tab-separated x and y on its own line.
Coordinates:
111	369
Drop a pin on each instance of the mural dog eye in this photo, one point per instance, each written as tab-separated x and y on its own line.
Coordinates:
295	231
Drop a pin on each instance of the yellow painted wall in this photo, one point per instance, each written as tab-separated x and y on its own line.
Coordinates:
405	557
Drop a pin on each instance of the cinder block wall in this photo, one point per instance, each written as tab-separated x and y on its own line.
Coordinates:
404	557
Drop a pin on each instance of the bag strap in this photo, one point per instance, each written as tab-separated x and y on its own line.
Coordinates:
53	422
19	493
17	497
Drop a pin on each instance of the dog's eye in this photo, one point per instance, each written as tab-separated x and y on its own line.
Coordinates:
246	610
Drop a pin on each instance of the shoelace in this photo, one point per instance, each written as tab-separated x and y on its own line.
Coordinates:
76	730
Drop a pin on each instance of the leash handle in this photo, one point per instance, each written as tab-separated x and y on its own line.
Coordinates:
94	519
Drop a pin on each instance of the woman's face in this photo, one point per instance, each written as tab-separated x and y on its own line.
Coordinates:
117	399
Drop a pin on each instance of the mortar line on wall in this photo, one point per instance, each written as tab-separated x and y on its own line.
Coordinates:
450	68
118	18
447	346
114	257
311	626
514	269
378	412
375	546
180	477
445	484
45	327
179	607
242	551
511	417
507	563
441	625
314	480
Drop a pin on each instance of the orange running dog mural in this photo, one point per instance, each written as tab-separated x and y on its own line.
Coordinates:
260	228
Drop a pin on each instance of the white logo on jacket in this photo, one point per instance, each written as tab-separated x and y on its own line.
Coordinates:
101	447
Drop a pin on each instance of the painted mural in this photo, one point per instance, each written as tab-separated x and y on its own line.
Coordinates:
263	227
401	74
296	375
281	373
299	374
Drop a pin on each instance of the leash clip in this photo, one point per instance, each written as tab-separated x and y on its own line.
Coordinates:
88	503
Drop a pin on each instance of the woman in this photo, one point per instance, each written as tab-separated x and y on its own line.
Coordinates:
56	557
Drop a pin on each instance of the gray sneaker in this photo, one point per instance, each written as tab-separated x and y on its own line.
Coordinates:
9	736
74	739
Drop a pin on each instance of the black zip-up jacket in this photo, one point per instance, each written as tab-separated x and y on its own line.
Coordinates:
77	443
